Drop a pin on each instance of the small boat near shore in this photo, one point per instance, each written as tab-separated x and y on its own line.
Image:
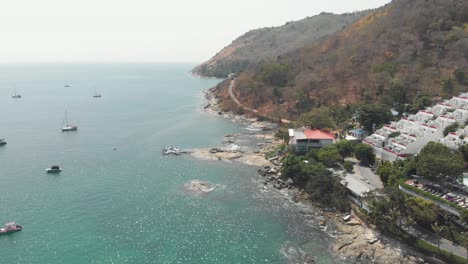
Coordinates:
10	228
54	169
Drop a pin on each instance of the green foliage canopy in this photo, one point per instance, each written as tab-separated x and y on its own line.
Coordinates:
318	118
275	74
364	154
329	155
345	148
436	159
370	114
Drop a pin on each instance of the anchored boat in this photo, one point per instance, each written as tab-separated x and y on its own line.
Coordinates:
68	126
10	228
15	95
54	169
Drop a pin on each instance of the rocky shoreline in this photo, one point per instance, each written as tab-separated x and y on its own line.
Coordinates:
353	240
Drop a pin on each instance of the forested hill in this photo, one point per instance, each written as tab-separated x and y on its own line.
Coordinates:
256	46
393	55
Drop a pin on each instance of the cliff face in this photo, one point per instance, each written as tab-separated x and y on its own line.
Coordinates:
398	52
257	46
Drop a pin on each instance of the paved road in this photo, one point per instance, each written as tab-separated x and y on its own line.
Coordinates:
368	175
432	239
365	174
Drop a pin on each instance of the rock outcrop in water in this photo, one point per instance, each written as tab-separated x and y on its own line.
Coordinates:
199	187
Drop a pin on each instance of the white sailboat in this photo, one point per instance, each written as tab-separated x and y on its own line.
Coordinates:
68	127
15	95
96	94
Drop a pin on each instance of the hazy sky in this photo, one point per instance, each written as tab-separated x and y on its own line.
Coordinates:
143	30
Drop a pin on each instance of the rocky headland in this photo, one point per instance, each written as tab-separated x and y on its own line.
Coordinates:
353	240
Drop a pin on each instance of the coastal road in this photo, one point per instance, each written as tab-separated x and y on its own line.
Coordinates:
234	98
431	238
368	175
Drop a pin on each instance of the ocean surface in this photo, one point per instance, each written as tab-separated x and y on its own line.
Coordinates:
118	200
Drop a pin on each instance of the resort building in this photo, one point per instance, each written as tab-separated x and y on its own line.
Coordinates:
304	139
410	134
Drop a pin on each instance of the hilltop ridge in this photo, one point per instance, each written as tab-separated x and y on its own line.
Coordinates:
256	46
392	55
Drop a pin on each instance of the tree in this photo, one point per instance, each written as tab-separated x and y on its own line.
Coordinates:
438	230
464	151
371	115
436	159
389	173
423	212
294	168
275	74
451	128
459	76
348	166
364	154
345	147
304	103
448	87
318	118
325	188
282	134
329	155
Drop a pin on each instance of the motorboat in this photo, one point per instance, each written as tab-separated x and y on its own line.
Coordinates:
54	169
68	126
171	150
10	228
2	141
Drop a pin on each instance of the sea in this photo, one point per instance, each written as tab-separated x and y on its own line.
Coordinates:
118	199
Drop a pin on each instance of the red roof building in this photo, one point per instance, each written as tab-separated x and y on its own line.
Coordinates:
303	140
318	134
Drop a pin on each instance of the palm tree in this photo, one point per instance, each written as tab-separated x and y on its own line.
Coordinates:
438	230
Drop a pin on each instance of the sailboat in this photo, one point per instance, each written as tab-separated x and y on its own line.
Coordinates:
96	94
68	127
15	95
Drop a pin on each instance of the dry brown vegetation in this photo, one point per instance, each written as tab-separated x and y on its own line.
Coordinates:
399	52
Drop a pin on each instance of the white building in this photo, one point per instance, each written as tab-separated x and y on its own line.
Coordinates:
415	131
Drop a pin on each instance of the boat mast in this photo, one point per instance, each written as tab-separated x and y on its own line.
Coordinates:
66	119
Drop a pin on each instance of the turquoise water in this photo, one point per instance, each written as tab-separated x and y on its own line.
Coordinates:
118	199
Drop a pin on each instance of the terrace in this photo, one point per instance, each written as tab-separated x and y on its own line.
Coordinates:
450	194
